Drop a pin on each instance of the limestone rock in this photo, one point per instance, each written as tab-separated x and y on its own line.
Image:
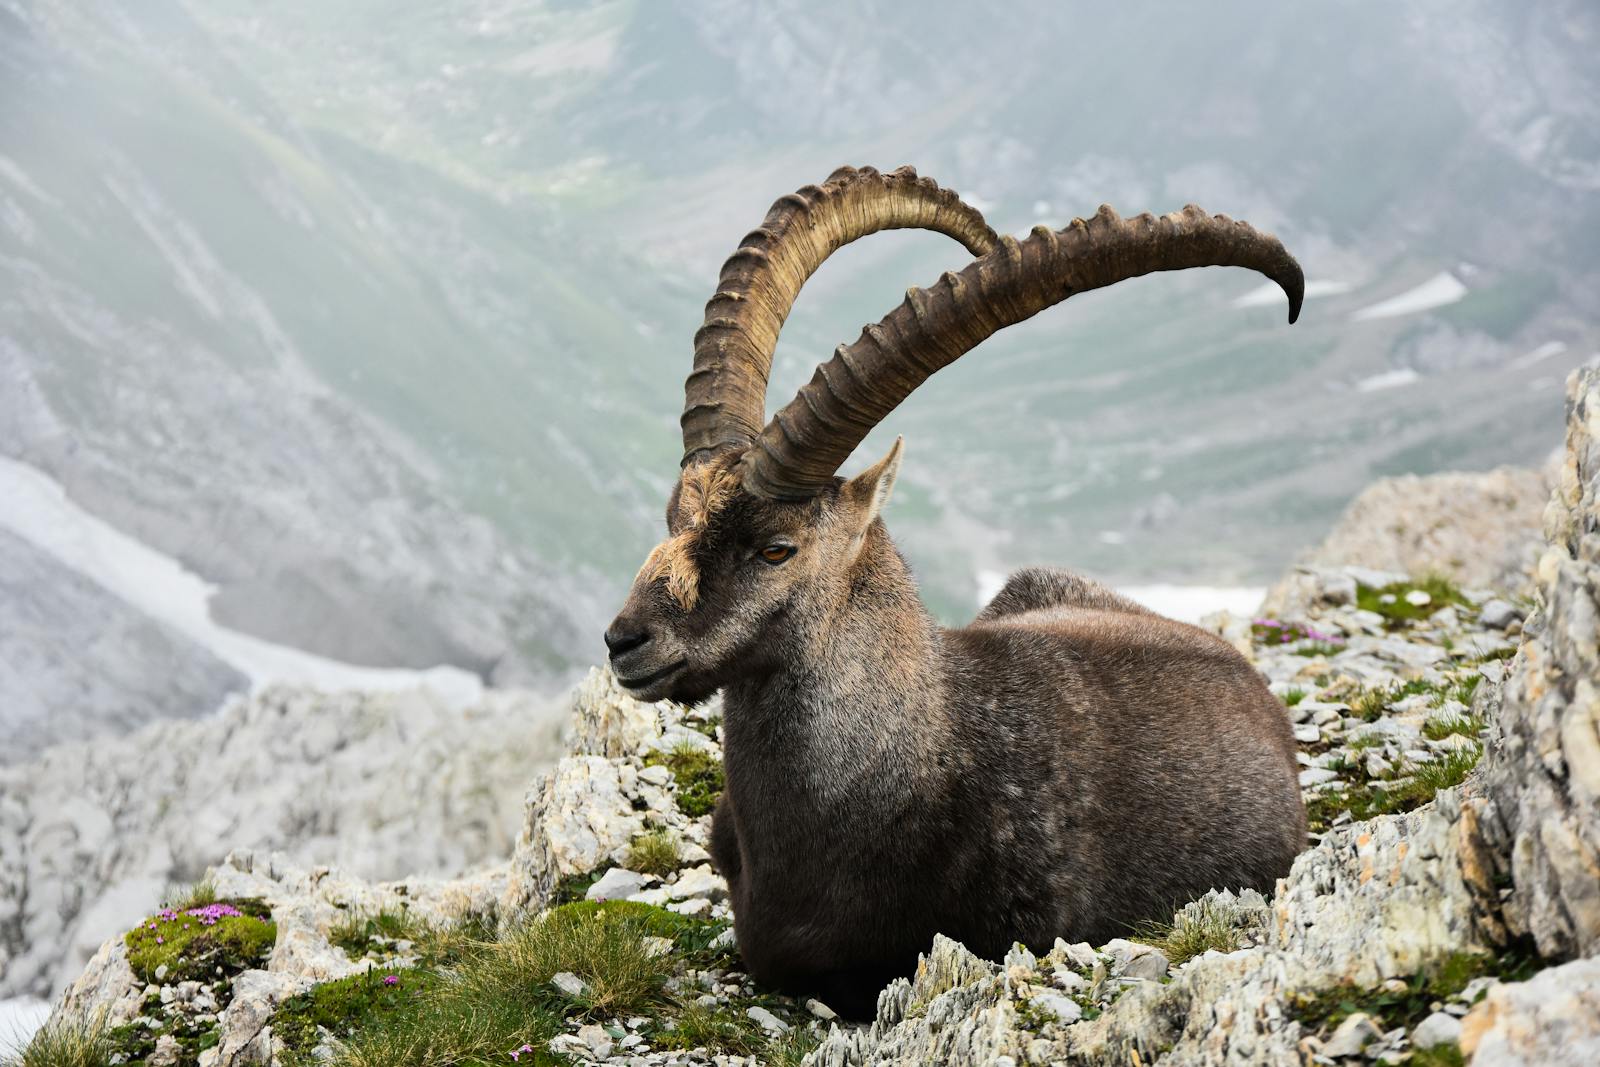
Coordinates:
1544	775
618	883
1439	1028
1551	1020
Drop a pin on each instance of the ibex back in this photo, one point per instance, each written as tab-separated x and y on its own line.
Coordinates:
1066	765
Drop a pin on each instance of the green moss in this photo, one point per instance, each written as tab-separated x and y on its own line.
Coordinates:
727	1030
344	1007
67	1044
193	950
698	774
1390	600
1438	1056
708	727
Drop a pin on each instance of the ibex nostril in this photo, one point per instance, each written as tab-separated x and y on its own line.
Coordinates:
621	641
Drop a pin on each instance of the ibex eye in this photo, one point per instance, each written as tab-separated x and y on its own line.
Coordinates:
776	554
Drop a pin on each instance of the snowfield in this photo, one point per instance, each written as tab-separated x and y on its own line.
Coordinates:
35	507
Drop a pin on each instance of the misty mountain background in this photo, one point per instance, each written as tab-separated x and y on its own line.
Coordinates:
376	316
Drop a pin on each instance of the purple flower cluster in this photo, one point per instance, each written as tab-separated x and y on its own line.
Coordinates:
516	1053
391	979
1284	632
209	914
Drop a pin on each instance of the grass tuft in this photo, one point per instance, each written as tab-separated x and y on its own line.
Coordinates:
1192	932
1466	725
360	932
1293	697
197	895
498	996
67	1043
653	852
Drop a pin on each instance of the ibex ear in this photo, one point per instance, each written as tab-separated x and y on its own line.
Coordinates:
869	491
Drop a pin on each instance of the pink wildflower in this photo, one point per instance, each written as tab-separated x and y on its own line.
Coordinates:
391	979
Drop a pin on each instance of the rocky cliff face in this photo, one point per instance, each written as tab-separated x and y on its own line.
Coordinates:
1445	913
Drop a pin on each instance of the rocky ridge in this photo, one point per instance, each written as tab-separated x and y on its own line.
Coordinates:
1444	914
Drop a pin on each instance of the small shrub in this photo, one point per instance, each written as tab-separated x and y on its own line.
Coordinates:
653	852
698	774
67	1043
234	935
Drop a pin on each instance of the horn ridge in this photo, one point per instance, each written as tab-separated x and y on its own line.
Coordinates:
725	394
1012	282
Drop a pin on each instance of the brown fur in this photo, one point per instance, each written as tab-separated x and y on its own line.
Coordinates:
702	491
1068	764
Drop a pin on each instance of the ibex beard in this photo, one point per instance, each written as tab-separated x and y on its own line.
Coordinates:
1066	765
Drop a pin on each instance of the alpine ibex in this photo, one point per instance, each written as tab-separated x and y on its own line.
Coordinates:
1067	764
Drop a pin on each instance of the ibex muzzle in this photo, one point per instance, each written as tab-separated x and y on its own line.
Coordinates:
1066	765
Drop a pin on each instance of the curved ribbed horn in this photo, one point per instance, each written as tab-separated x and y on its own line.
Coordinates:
798	452
725	396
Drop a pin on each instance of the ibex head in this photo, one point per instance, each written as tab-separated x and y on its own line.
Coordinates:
764	540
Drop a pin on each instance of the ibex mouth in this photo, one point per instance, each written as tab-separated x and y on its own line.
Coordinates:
646	681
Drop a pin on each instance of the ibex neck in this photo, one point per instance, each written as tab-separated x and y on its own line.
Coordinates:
854	706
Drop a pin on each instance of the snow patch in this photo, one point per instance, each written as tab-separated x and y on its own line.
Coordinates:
20	1019
1441	289
36	508
1538	355
1191	603
1268	293
1186	603
1390	379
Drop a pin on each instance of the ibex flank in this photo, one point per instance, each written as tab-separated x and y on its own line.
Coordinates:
1066	765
